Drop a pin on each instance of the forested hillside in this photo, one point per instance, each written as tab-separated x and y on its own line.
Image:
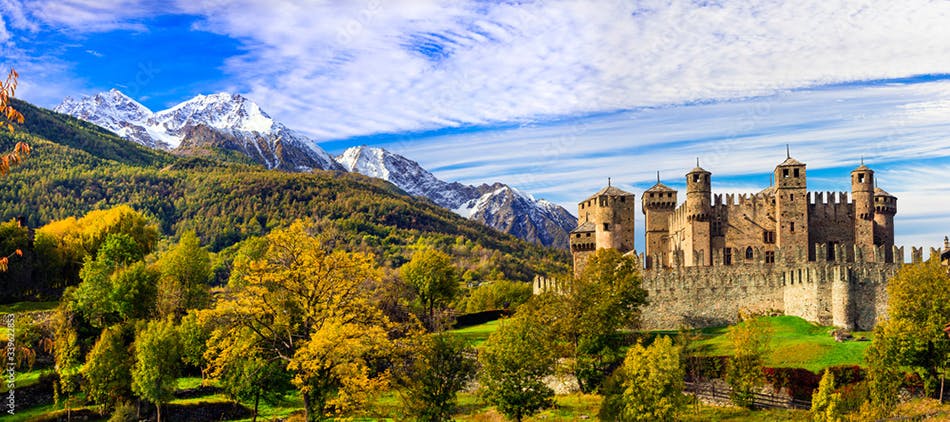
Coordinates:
77	167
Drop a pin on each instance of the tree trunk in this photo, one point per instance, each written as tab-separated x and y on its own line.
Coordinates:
257	399
942	378
307	408
158	412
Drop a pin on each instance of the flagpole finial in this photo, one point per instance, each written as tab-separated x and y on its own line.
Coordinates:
658	177
788	151
862	159
608	181
697	161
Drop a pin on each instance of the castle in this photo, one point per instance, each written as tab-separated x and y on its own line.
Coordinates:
819	256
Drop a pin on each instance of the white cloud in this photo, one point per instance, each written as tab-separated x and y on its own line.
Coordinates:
339	69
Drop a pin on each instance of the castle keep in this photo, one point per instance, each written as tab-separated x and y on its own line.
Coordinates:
820	256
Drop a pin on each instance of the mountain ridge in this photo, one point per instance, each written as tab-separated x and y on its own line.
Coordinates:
230	126
498	205
224	121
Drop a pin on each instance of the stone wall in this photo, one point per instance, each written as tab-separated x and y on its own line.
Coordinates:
708	296
849	295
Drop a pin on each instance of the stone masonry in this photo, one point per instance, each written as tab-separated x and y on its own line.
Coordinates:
782	250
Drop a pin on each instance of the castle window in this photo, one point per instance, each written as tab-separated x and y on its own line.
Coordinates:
748	253
717	228
623	199
784	173
769	257
588	234
796	172
652	194
669	195
791	227
727	256
831	251
606	227
768	236
695	178
791	197
861	178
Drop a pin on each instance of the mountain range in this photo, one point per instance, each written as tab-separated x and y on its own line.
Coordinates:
232	124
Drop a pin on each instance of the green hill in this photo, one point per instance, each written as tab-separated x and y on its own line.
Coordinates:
77	167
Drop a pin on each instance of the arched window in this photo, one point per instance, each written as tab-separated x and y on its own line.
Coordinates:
748	252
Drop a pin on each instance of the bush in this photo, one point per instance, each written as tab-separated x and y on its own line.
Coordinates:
124	412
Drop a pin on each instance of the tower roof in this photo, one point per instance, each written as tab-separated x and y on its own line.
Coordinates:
862	167
609	191
660	187
882	192
790	162
587	226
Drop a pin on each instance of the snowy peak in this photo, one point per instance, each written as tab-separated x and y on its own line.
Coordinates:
498	205
399	170
219	111
224	121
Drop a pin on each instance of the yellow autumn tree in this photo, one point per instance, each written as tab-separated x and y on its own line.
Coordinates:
308	308
8	117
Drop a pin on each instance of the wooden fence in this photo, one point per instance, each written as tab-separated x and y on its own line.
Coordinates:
709	391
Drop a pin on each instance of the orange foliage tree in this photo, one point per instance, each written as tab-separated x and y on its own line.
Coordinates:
9	116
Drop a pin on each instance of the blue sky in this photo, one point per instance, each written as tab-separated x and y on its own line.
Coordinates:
551	97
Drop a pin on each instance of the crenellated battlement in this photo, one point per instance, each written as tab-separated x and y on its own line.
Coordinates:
824	256
828	198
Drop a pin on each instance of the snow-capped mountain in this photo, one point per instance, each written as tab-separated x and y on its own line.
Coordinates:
224	121
499	206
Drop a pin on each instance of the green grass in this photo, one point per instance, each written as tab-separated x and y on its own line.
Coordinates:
477	334
188	383
730	413
796	343
27	307
24	379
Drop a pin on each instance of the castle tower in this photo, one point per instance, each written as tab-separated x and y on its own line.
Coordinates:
862	192
791	209
698	210
605	220
885	206
658	204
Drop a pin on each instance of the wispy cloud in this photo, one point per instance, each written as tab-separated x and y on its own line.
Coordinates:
340	69
897	128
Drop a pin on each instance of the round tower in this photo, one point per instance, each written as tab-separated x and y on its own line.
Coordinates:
658	204
698	250
698	193
862	194
885	206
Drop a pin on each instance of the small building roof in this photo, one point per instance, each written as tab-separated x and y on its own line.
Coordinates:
882	192
660	187
790	162
697	169
585	227
862	167
609	191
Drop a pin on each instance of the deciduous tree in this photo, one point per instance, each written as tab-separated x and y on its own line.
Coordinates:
108	368
8	117
605	298
308	308
157	363
825	402
651	384
515	361
186	270
441	366
433	277
750	342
